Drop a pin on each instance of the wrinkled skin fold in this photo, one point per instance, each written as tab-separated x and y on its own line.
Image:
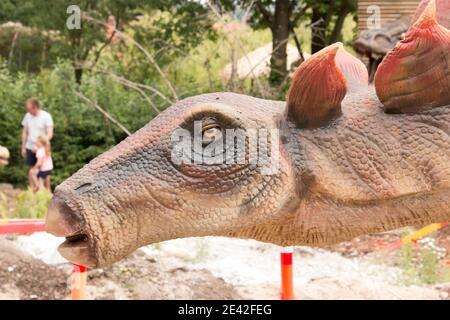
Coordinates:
346	167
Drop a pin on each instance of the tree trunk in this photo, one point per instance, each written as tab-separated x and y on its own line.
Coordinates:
78	74
280	36
336	35
318	30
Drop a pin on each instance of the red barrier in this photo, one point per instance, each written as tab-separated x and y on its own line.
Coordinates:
28	226
21	226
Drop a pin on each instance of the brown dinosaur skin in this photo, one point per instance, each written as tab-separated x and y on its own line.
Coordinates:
352	168
366	172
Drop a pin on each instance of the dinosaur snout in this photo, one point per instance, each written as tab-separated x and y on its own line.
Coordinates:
63	221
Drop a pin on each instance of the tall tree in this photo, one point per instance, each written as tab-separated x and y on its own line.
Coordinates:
80	41
283	16
180	23
327	21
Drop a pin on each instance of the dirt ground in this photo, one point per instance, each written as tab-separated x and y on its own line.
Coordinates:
24	277
174	271
137	277
214	268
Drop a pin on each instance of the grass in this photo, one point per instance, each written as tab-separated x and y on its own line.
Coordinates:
423	263
29	205
3	206
202	251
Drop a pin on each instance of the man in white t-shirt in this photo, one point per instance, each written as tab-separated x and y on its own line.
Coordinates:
36	123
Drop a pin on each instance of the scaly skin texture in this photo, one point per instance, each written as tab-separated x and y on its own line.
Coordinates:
346	168
367	172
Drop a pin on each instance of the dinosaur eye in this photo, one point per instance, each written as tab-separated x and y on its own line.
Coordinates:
210	134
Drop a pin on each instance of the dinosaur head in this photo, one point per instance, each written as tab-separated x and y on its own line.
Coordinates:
377	42
325	166
215	164
4	156
209	165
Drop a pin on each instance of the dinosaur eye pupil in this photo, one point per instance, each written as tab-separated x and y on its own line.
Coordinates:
210	135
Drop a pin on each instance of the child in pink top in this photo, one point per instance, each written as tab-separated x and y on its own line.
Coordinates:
44	164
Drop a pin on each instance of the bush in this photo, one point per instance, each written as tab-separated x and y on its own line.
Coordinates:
3	206
81	132
423	262
28	205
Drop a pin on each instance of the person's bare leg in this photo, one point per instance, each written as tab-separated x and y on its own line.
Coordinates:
47	184
32	179
40	185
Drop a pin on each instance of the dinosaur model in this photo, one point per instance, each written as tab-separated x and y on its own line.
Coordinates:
352	159
376	43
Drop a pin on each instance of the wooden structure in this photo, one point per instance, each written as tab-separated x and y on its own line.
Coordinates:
389	11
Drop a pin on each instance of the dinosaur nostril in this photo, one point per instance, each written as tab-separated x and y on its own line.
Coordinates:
83	188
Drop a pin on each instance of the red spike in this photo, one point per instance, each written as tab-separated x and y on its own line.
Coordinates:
415	75
355	70
317	90
442	13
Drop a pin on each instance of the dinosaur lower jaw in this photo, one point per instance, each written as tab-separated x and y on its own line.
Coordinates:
78	251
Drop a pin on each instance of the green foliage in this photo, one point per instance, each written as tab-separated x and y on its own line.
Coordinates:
176	26
3	206
28	205
81	133
27	48
32	205
421	263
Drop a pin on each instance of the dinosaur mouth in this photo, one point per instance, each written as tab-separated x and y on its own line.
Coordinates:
75	239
